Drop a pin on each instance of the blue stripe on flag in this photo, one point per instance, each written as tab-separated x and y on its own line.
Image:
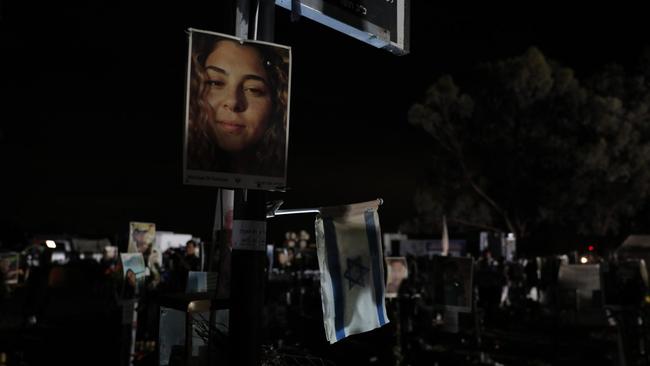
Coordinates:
371	230
335	273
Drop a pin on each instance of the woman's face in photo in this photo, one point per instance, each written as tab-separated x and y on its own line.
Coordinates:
130	276
239	92
398	269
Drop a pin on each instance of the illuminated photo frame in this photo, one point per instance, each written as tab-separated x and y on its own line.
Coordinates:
237	112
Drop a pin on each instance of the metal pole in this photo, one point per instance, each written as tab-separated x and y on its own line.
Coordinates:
265	20
254	20
247	283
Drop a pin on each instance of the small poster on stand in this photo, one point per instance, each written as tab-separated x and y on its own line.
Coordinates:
133	273
141	236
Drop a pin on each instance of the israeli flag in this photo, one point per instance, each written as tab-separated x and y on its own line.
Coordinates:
351	262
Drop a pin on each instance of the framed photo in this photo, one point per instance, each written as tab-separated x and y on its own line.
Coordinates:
133	273
397	271
236	112
10	267
141	237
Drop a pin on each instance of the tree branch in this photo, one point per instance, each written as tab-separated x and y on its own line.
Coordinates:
484	195
472	224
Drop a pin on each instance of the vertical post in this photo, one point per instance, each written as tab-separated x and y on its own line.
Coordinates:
242	18
189	333
265	23
247	279
134	332
220	260
254	20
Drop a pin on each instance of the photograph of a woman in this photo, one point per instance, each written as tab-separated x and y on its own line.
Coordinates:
134	273
237	112
141	237
397	272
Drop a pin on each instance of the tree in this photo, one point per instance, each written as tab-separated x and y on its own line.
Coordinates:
528	147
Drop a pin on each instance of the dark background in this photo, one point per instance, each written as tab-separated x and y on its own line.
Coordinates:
91	118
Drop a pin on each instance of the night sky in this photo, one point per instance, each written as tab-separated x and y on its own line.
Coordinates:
91	120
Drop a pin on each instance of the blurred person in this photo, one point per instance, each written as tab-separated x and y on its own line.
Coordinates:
130	284
4	271
183	264
191	261
285	258
290	239
490	282
36	284
109	260
154	264
304	235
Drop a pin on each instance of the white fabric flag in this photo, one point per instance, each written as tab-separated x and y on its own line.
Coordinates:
445	237
351	261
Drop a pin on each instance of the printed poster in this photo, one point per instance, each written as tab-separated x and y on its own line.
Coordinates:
237	112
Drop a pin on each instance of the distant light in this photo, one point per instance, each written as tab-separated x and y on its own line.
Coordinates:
590	248
584	260
59	257
50	244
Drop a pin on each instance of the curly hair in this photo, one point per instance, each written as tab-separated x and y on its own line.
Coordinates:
203	152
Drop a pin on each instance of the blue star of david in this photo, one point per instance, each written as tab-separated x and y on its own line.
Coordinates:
356	272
